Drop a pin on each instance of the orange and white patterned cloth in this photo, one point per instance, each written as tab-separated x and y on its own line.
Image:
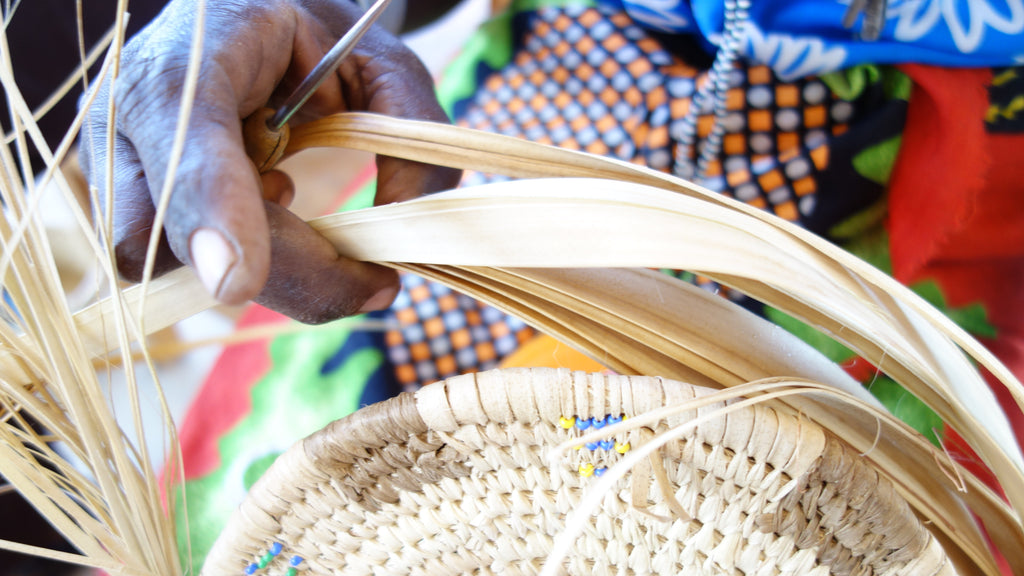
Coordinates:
581	78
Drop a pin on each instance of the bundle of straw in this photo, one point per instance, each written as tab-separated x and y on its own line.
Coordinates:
586	229
62	447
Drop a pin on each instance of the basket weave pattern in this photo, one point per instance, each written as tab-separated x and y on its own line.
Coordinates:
459	478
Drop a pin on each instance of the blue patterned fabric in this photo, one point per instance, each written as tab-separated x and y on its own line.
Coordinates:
806	37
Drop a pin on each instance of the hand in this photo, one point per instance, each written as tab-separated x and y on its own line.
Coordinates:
242	246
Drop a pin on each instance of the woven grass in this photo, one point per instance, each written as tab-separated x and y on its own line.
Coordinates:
465	476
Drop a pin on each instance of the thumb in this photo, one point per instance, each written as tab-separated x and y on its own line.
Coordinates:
215	219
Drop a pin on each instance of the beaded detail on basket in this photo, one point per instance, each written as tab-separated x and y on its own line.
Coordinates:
601	448
275	550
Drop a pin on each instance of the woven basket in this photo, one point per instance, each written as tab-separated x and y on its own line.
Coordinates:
459	478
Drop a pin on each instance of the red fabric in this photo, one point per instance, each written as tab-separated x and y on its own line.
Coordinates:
936	181
237	369
956	208
956	216
224	398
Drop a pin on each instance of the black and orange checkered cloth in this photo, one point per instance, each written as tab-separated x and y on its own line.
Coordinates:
584	79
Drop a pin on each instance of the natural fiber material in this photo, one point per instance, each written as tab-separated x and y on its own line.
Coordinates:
474	473
621	317
464	476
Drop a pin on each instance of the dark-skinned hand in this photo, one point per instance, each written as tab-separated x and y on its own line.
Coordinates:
242	246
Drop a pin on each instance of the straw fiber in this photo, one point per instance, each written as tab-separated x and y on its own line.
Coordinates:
463	477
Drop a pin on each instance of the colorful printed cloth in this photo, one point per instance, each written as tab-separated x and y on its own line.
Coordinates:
812	151
932	152
441	333
800	38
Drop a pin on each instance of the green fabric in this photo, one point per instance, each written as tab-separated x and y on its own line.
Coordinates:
864	235
850	83
973	318
876	163
290	402
907	408
897	84
362	198
864	222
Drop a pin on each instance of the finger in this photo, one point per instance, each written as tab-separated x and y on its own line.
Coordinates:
133	214
399	179
382	75
215	218
403	88
304	262
132	210
278	188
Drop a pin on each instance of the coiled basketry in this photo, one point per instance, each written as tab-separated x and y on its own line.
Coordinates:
464	477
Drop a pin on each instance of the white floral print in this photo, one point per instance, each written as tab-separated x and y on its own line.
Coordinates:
966	20
792	56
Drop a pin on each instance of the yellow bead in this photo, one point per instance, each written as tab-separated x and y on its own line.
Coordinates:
586	470
566	422
622	448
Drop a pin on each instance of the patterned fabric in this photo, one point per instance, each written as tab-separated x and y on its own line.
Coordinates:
586	79
804	37
260	398
597	82
443	333
1005	113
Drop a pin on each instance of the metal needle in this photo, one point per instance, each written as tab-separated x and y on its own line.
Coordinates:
327	66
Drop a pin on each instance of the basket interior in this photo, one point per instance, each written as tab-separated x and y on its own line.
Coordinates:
462	477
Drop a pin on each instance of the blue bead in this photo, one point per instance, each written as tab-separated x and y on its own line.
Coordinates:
296	560
276	548
599	423
591	445
582	424
600	471
606	444
614	419
251	569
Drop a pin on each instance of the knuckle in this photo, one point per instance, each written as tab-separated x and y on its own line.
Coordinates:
130	263
130	255
147	84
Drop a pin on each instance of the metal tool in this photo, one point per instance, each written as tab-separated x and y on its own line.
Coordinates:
327	65
266	131
874	17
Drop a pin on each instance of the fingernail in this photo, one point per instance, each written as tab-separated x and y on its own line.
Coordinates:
380	300
212	257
